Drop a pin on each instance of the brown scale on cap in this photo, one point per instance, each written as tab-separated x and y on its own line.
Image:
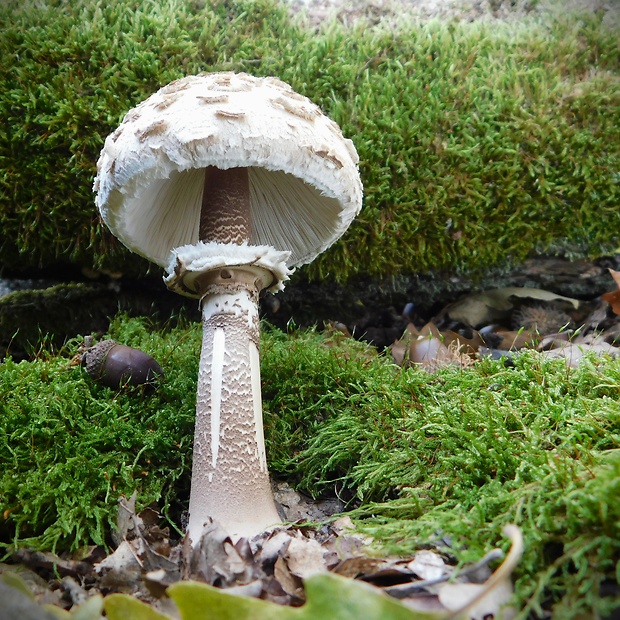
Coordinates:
154	129
213	99
294	107
174	87
229	114
166	102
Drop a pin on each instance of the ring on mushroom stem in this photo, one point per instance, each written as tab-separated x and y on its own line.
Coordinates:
229	182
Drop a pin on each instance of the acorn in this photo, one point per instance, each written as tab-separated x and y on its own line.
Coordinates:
115	365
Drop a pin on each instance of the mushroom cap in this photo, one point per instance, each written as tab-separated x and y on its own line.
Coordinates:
304	183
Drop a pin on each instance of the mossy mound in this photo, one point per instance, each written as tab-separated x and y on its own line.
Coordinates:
71	447
451	458
425	458
480	143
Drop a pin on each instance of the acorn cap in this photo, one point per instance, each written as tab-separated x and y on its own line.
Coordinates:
93	358
304	183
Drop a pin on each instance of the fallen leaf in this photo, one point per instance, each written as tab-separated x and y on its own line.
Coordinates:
291	584
616	276
359	566
515	340
305	557
496	304
126	518
455	596
466	346
274	546
18	604
216	561
123	607
327	596
121	571
613	297
428	565
398	350
90	610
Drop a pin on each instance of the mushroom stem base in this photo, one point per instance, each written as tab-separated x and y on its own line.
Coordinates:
230	482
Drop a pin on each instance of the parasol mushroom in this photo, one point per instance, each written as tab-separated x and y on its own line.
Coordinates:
229	182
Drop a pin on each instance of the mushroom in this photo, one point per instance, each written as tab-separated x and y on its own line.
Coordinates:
229	181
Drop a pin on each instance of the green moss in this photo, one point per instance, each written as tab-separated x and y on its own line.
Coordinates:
70	447
425	458
479	143
459	454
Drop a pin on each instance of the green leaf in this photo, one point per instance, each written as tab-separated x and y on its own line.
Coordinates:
12	579
57	612
89	610
328	596
123	607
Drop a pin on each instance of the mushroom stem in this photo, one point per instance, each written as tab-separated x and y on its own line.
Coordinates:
230	480
225	212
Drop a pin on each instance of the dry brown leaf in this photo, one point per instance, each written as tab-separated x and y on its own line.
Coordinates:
358	566
275	546
616	276
613	297
430	330
467	346
291	584
121	571
496	305
305	557
400	348
429	565
398	351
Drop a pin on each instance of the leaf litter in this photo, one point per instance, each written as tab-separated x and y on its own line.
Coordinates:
274	566
502	323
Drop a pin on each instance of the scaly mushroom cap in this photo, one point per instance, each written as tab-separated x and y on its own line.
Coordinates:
304	183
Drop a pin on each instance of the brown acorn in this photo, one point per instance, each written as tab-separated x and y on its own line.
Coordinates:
114	365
